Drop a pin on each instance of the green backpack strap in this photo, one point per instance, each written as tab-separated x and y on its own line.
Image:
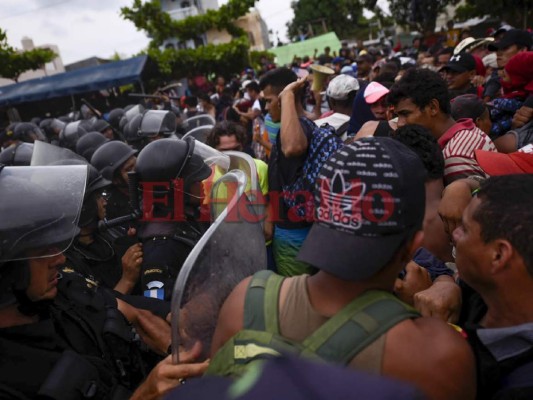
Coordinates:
261	302
356	326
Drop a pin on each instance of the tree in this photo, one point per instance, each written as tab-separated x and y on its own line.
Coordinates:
315	17
419	15
15	63
515	12
222	59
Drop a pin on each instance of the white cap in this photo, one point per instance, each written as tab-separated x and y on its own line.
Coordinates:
340	86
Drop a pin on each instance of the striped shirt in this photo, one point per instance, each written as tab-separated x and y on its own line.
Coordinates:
458	145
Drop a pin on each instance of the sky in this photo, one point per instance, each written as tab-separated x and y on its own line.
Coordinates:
83	29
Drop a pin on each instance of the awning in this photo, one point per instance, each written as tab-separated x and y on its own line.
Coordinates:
105	76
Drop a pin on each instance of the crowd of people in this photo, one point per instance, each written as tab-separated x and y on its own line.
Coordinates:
393	239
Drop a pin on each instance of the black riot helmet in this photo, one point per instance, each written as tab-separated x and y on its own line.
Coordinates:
40	207
18	154
70	134
32	225
114	117
157	122
131	129
95	183
168	159
102	126
110	156
88	144
28	132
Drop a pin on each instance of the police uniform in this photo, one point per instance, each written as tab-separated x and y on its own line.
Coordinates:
81	347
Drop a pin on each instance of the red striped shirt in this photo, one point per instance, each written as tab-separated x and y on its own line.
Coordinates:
458	144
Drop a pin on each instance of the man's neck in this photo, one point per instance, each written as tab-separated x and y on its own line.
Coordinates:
509	307
442	124
329	294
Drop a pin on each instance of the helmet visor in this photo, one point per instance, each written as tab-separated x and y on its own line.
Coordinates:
155	122
39	210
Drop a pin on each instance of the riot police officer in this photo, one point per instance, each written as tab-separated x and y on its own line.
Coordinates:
114	160
170	173
59	337
149	126
18	154
88	144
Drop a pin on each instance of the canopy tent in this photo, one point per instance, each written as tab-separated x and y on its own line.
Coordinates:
285	54
83	80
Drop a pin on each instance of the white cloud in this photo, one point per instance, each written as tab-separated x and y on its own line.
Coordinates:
83	29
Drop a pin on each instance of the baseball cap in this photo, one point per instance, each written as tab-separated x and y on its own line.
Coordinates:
494	163
467	106
369	199
513	36
461	63
289	377
340	86
374	91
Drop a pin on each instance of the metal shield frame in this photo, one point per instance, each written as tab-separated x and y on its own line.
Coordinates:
251	258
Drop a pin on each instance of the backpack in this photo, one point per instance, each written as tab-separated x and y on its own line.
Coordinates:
324	142
338	340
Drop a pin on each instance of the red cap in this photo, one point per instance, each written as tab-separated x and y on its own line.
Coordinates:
494	163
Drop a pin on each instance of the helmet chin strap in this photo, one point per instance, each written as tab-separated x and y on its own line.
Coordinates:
14	283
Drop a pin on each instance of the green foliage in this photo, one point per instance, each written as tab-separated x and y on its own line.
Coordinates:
159	25
15	63
340	16
224	59
422	18
256	56
517	12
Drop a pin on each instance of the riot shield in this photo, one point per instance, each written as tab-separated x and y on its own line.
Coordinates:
231	249
245	163
198	120
48	154
200	133
39	210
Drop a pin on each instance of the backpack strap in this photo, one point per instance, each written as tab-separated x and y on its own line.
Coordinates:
356	326
261	302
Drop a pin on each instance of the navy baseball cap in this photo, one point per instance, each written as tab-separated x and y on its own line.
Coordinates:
369	200
288	377
461	62
514	36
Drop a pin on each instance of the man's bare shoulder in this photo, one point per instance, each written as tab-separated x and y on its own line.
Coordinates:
434	356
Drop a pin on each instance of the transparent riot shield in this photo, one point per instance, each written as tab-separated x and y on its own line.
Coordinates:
48	154
39	209
231	249
245	163
198	120
200	133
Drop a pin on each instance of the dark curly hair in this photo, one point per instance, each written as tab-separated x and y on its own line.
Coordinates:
226	128
421	86
505	212
422	142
